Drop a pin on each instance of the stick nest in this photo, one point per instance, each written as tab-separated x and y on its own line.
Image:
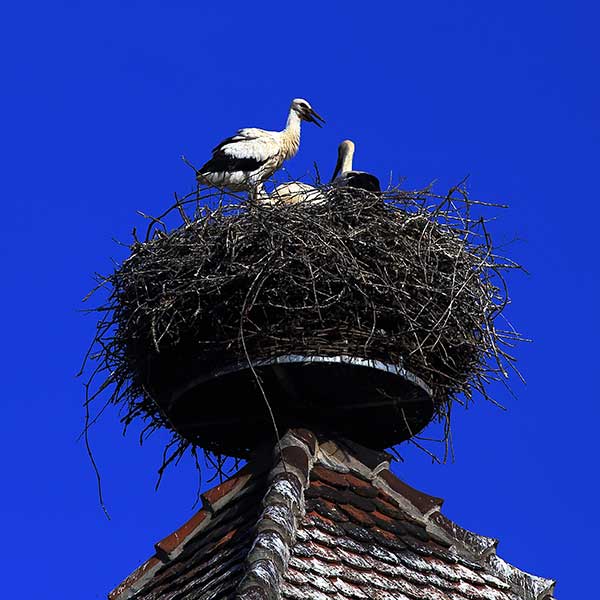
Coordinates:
403	277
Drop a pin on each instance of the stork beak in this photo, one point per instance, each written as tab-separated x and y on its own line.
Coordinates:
312	117
338	167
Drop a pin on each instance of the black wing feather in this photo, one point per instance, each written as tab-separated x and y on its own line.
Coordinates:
362	181
223	163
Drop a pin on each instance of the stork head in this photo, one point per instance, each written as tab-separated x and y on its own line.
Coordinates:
305	111
345	156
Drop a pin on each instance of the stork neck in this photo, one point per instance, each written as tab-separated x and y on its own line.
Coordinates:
291	133
292	125
347	160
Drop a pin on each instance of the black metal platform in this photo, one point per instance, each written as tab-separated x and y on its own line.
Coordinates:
373	403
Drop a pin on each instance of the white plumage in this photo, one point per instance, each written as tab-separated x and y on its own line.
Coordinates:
345	176
247	159
292	193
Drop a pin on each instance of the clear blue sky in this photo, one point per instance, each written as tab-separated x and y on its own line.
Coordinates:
99	99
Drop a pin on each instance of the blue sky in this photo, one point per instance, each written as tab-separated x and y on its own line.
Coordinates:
99	100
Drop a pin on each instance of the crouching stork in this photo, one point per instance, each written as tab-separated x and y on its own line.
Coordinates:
344	176
293	192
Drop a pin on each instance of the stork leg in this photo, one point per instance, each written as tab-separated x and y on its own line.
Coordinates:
258	195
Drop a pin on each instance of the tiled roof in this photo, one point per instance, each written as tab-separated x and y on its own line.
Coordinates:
325	520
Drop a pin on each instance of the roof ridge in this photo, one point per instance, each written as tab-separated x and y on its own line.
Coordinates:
283	508
530	587
212	501
172	545
534	586
345	456
477	545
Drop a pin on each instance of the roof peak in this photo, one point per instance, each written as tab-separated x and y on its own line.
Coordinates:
322	499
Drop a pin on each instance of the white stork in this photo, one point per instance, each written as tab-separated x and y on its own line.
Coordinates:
345	176
247	159
292	193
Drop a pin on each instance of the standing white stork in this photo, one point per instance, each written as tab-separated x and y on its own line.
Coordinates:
344	175
247	159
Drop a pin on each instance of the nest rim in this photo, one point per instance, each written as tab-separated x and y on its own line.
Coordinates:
347	359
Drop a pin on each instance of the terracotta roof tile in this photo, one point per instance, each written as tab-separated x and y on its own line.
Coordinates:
219	495
357	515
361	487
326	492
358	533
320	473
134	581
423	502
348	589
372	459
328	510
387	508
296	457
361	502
168	545
328	522
324	523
